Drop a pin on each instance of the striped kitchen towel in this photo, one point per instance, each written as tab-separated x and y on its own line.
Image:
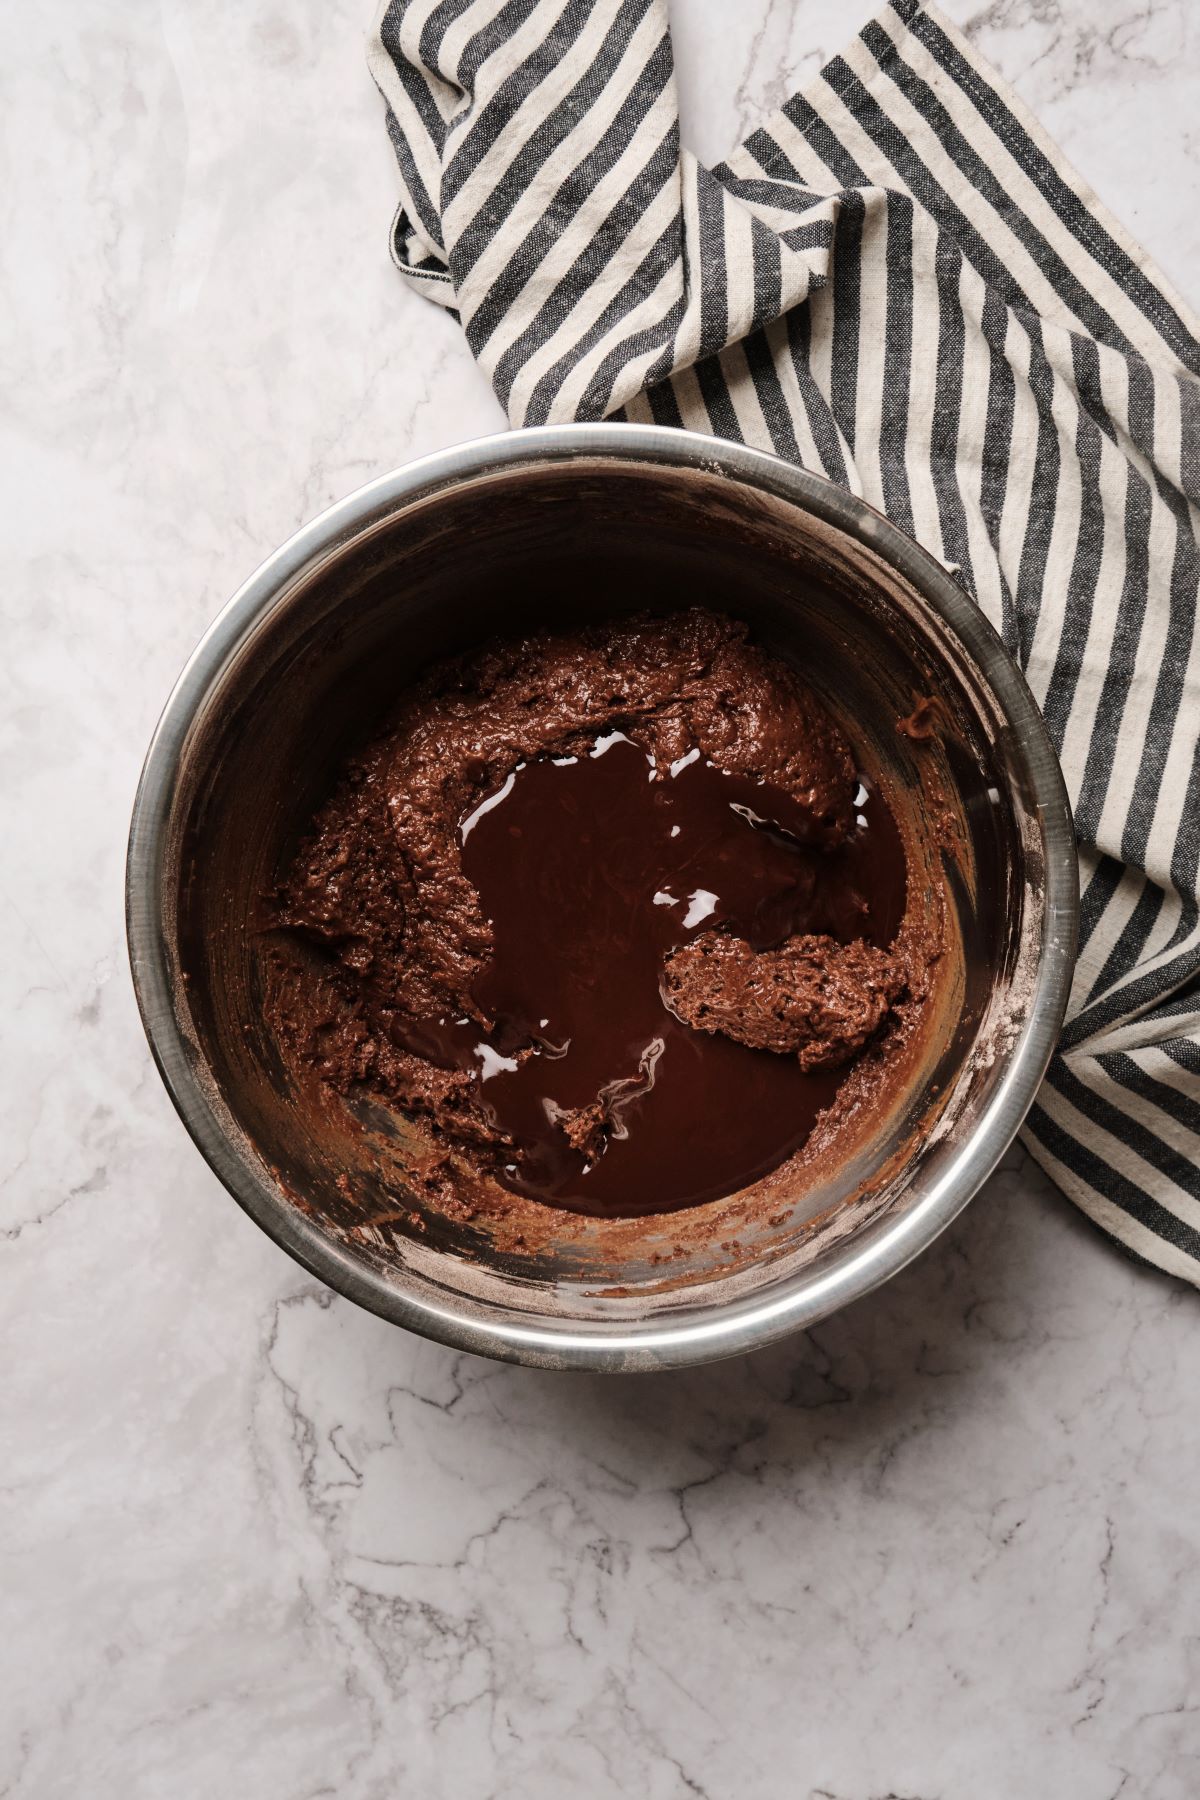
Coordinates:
899	282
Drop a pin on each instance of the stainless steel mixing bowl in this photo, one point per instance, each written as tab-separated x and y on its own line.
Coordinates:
311	648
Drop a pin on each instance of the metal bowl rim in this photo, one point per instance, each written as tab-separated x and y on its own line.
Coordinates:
720	1330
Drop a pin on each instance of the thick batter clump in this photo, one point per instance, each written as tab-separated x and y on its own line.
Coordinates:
608	909
810	997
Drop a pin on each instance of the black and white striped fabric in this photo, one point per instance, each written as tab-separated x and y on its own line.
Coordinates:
898	282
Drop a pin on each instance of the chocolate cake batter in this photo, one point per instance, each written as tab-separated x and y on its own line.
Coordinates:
611	910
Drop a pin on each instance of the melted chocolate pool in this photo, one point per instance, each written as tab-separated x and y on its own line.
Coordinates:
591	869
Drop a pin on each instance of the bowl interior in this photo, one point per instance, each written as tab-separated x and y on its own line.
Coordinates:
440	570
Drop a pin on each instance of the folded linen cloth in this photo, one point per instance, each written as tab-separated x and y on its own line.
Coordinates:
896	281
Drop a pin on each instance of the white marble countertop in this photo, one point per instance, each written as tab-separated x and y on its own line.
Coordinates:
942	1548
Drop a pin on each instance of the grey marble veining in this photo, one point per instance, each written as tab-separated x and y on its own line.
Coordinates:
944	1547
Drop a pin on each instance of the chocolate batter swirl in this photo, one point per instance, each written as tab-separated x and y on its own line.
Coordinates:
592	895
